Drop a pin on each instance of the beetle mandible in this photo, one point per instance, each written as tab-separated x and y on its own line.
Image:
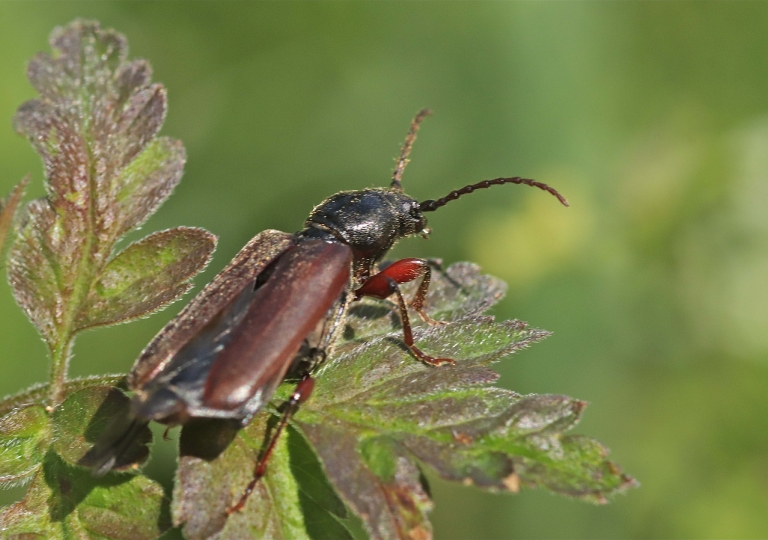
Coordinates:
278	308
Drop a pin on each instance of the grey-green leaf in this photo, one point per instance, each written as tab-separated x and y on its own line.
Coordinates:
81	420
39	267
25	434
8	208
94	126
96	111
65	502
38	393
216	464
451	420
144	184
380	483
147	275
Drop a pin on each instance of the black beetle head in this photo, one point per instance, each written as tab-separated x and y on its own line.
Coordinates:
369	221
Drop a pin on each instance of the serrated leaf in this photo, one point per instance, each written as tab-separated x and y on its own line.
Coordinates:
378	482
219	461
147	275
39	285
377	415
144	184
97	112
94	126
458	291
80	421
38	393
577	467
65	502
8	208
25	435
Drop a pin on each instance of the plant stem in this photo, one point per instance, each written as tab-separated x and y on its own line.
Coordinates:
59	365
66	332
83	280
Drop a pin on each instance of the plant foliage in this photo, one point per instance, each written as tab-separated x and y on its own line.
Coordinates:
353	462
378	419
95	126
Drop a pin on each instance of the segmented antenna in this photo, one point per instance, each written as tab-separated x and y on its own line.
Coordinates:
405	152
431	205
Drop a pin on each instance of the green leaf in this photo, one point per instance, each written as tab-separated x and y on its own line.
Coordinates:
144	184
35	272
25	435
81	420
217	459
94	125
147	276
97	112
377	416
8	208
66	502
38	393
379	482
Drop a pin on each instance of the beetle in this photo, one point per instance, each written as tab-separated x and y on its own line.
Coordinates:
279	306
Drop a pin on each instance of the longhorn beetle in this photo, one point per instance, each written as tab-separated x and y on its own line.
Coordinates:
278	308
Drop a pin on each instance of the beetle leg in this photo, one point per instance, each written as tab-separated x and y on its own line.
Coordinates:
408	334
402	271
384	286
300	394
421	295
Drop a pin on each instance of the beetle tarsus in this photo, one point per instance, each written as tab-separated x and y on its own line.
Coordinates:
430	360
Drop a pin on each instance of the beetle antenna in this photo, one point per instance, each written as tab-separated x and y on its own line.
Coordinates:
405	152
431	205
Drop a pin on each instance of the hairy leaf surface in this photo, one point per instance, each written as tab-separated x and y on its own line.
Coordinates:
94	125
147	276
25	435
292	501
378	417
65	502
8	208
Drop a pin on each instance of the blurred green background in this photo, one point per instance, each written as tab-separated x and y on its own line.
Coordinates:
651	117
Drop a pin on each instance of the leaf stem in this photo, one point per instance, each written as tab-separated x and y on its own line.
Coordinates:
83	281
61	351
59	368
